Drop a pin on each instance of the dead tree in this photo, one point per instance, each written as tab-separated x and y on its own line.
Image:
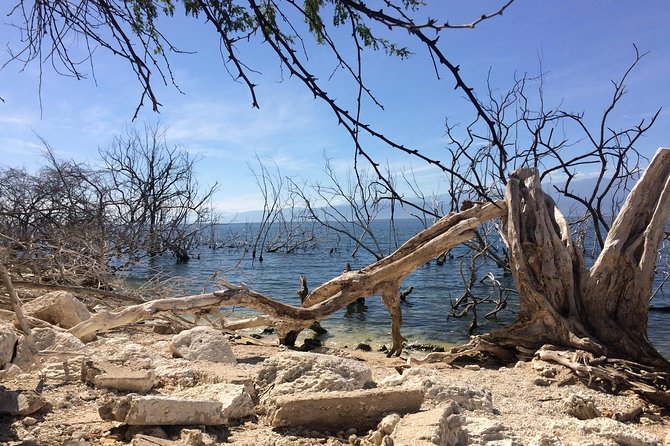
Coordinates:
602	309
599	314
155	195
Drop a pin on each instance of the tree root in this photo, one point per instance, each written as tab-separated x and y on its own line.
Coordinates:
611	375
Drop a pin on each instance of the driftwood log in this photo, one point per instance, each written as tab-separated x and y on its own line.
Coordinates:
602	309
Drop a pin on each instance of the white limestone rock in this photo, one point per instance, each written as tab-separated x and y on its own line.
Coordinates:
8	340
56	340
437	389
204	405
604	431
175	373
202	343
125	380
361	409
484	431
49	340
442	426
10	371
618	432
58	308
388	423
287	373
136	356
236	403
20	402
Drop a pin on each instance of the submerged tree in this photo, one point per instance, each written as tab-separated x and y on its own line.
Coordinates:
72	223
55	222
507	148
154	194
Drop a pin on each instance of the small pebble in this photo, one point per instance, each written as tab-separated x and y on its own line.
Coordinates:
549	372
29	421
192	437
472	367
542	382
87	396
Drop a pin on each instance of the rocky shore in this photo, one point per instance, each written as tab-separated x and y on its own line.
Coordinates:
146	385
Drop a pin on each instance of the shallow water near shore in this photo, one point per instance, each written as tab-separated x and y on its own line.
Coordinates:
426	310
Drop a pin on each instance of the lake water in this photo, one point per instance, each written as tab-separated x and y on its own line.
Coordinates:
426	311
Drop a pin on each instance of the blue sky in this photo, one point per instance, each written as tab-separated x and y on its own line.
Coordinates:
582	45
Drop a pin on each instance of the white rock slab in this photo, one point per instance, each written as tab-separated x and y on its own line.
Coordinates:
7	341
202	343
361	409
58	308
441	426
287	373
214	404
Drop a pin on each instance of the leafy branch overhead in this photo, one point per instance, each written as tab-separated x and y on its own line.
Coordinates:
137	31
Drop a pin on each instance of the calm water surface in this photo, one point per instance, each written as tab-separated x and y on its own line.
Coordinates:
425	313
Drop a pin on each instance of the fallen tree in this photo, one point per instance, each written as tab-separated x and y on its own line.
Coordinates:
602	309
383	277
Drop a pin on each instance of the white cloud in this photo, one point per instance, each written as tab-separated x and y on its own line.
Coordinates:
20	146
16	120
233	125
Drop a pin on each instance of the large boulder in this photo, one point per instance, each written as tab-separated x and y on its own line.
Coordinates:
438	388
288	373
202	343
7	342
214	404
58	308
50	339
360	409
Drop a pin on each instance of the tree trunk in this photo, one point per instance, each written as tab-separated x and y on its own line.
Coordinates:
602	309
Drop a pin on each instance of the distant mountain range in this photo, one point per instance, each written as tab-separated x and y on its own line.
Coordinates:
569	207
